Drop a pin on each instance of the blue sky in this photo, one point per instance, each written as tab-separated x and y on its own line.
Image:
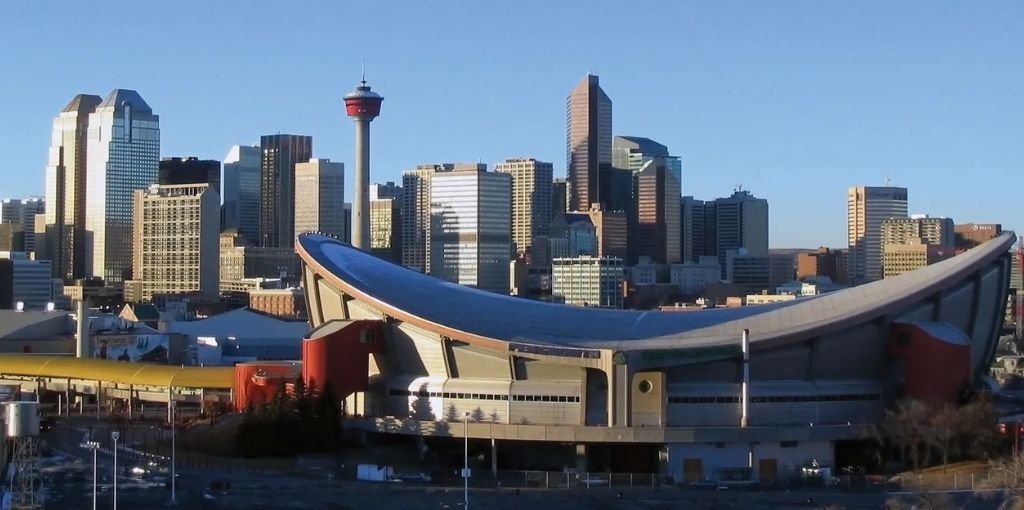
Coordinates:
795	101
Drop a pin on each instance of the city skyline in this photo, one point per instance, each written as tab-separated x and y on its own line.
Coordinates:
730	98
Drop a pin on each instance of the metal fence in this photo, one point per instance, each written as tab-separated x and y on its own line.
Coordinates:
572	480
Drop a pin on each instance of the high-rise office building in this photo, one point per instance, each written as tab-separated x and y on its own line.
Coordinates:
416	215
471	227
64	228
969	235
938	231
25	281
23	211
177	228
588	143
12	237
240	260
588	281
385	191
573	235
386	228
866	208
656	230
633	152
346	223
280	154
753	272
531	200
612	232
320	197
899	258
559	197
123	157
739	221
190	170
691	226
240	190
824	262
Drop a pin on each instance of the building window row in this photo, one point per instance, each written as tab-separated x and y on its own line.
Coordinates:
851	397
395	392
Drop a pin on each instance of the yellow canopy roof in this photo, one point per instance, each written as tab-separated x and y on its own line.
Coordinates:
144	374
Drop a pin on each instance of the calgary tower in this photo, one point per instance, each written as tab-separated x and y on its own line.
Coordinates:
363	105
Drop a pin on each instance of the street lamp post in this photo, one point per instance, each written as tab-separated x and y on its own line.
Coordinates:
465	464
94	446
115	435
174	429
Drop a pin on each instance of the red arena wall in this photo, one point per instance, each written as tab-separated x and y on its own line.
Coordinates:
936	360
257	381
338	353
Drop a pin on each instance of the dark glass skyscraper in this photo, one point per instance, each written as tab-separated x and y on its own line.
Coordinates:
280	153
190	170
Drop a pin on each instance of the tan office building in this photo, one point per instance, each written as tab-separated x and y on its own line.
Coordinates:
386	229
929	230
176	240
866	208
416	215
906	257
531	199
320	197
612	233
241	261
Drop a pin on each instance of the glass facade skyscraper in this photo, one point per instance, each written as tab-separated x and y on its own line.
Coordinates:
123	157
471	227
240	191
588	143
280	153
65	242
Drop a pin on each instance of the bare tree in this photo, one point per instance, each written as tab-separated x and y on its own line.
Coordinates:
923	501
1006	474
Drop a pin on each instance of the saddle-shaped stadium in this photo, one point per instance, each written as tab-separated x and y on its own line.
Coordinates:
637	389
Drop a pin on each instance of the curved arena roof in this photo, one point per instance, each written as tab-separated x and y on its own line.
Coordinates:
413	296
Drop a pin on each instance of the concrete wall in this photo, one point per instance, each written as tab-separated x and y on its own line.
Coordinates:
710	458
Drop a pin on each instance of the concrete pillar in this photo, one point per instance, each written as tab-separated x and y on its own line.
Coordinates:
131	400
745	388
611	407
626	398
99	394
82	329
170	402
494	458
581	458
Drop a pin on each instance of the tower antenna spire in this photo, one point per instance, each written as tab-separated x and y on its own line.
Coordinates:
363	81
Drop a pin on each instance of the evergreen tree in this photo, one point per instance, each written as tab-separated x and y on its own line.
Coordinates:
328	417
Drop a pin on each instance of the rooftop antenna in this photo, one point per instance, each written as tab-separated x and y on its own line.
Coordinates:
363	81
888	180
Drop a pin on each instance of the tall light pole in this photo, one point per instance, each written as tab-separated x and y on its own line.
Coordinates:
465	464
115	435
93	445
174	429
